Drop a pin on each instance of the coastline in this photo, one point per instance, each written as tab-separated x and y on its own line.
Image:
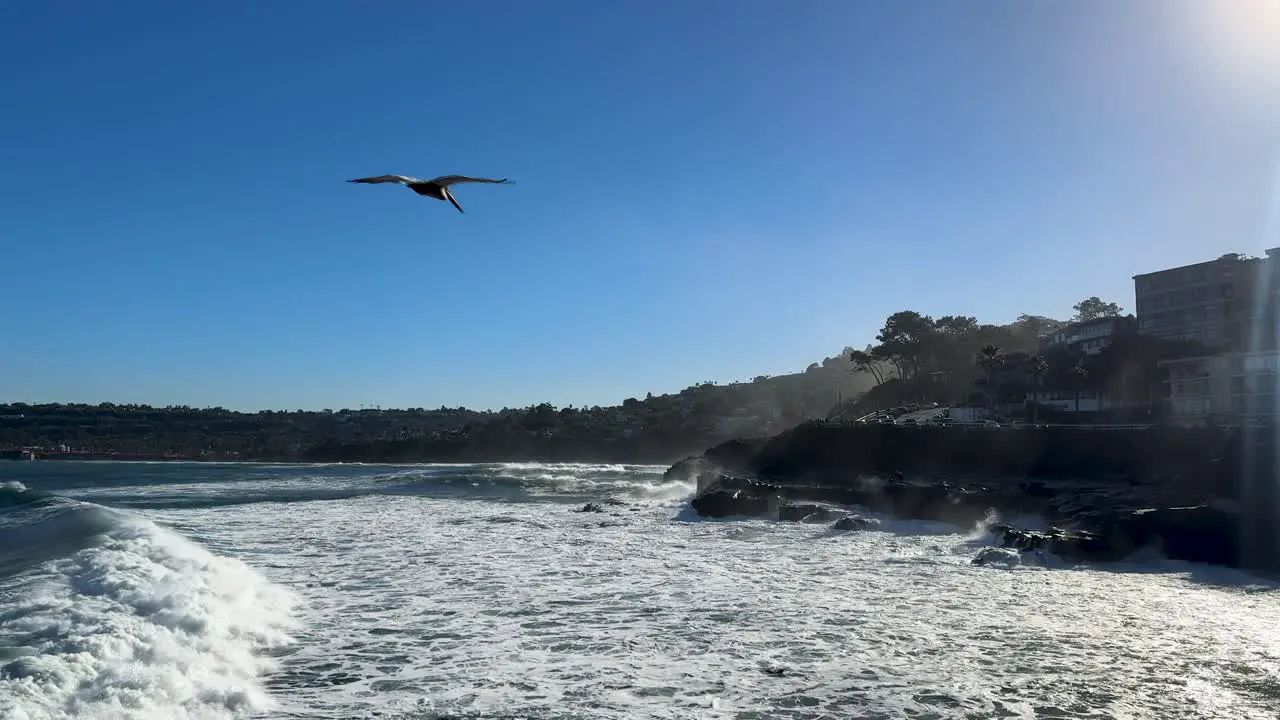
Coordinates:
319	463
1194	494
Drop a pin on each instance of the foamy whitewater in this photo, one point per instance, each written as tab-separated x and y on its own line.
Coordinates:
132	590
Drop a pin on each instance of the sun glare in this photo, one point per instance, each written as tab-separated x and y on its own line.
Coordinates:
1238	39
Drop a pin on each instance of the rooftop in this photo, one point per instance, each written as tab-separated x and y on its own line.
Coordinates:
1228	257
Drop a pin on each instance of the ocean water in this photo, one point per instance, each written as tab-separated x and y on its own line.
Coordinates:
133	590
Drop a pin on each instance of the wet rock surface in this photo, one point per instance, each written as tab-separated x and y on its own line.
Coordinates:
1069	545
1105	523
1200	533
1124	506
851	523
731	495
809	513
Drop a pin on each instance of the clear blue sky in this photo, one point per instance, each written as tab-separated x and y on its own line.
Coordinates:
705	190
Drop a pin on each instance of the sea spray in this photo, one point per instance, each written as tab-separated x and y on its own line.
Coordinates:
479	591
142	623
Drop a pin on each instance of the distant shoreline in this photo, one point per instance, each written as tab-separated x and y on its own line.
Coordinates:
304	463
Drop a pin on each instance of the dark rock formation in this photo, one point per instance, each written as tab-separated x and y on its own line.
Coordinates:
728	495
1201	533
1073	545
997	556
686	470
1112	491
733	495
809	513
850	523
1196	534
731	457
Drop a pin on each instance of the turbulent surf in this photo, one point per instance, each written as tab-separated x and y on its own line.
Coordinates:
134	590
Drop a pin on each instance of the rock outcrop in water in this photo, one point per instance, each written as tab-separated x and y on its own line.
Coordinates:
1201	495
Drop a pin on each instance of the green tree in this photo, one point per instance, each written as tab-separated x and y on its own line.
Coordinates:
1093	308
1038	324
864	362
904	340
956	325
1028	329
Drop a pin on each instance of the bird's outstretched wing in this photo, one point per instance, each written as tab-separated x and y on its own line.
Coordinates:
402	179
447	180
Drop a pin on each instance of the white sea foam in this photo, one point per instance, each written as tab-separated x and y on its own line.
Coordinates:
422	606
141	624
494	610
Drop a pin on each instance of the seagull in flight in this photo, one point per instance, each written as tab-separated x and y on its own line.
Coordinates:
437	188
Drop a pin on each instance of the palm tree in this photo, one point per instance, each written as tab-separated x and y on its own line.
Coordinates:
1037	367
989	358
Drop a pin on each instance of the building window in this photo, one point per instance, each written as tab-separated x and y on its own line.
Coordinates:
1193	387
1192	407
1261	363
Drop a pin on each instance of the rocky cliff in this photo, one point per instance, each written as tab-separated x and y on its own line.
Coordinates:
1202	495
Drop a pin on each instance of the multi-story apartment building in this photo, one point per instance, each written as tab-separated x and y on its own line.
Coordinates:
1229	388
1089	337
1212	302
1229	306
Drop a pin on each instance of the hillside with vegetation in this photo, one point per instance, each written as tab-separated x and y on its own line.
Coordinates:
1010	370
916	358
656	428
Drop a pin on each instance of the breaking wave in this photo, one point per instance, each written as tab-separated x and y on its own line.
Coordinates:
106	614
493	590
